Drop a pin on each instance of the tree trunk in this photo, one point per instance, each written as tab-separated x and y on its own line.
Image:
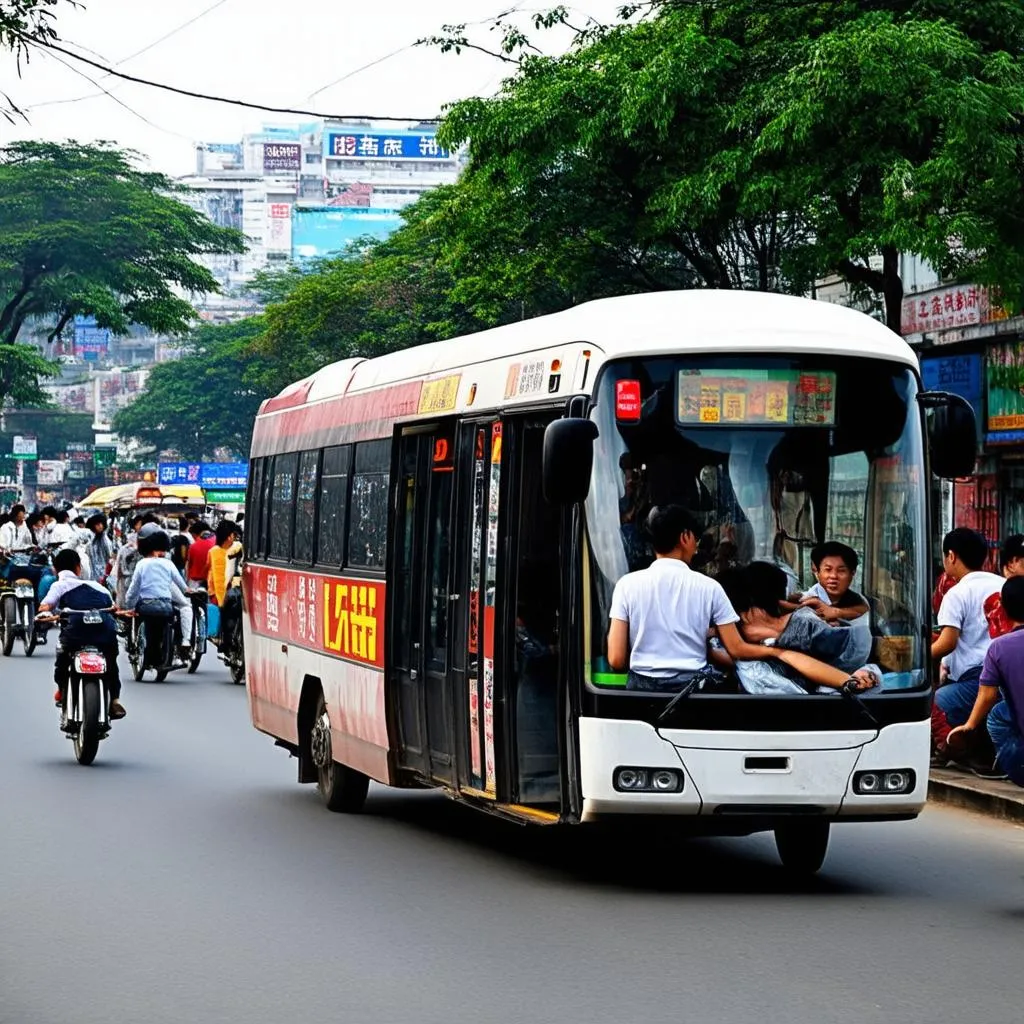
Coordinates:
892	289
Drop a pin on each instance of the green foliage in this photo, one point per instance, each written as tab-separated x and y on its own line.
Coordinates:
203	401
380	297
747	143
83	231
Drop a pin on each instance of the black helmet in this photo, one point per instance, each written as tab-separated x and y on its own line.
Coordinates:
156	541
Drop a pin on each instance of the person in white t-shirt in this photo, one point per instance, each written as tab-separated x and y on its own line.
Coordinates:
661	615
964	637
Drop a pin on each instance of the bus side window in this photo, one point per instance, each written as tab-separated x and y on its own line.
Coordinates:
332	521
305	507
368	526
263	524
282	505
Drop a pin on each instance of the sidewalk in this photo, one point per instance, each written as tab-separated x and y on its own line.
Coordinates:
985	796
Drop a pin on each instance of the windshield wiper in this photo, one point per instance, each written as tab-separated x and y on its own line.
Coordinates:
849	691
689	686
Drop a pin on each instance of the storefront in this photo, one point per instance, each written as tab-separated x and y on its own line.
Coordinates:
970	347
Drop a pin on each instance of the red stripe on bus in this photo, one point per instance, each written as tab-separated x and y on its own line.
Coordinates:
372	414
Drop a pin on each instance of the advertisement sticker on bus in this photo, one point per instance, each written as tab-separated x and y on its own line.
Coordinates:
440	395
354	620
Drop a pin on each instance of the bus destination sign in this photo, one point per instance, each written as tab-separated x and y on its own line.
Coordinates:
784	398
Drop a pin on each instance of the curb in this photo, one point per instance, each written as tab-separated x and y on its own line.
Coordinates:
1001	800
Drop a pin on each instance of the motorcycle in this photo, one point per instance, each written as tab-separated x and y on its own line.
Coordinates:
18	602
152	641
232	645
85	715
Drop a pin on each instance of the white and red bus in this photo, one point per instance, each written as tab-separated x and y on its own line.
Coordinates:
433	537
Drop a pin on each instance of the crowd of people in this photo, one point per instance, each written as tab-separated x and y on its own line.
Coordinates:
136	565
673	629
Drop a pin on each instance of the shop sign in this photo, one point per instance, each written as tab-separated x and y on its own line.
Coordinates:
1006	387
942	309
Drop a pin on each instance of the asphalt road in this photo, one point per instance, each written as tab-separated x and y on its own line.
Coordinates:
187	879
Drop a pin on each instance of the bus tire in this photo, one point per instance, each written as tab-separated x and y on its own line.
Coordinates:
802	845
341	788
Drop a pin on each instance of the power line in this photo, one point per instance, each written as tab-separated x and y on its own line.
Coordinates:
131	56
116	99
173	32
206	96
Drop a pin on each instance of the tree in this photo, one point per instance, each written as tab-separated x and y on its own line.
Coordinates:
381	296
748	143
202	402
84	232
24	23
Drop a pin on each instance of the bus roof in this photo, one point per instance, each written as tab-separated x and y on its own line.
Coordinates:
698	320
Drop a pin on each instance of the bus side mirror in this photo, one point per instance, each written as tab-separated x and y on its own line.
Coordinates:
952	434
568	460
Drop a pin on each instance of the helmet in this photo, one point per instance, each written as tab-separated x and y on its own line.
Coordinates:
149	529
157	540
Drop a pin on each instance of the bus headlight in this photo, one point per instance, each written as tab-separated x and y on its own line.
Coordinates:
647	780
887	782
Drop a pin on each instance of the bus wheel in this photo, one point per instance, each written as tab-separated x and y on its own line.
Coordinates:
341	788
802	845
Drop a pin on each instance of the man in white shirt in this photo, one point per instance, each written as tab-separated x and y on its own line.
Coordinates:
964	638
15	534
661	615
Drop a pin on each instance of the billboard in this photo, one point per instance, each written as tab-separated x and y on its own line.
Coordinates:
279	227
216	475
50	473
317	233
224	475
397	145
24	447
91	341
1006	388
282	156
958	305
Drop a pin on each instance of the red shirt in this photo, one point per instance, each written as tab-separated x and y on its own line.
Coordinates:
198	562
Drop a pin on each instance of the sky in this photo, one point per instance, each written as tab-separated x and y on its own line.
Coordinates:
282	54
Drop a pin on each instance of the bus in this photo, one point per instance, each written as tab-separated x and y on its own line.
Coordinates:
433	537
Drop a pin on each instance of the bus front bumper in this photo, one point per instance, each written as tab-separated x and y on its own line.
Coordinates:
764	775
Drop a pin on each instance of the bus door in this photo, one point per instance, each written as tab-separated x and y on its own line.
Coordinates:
532	668
475	639
422	605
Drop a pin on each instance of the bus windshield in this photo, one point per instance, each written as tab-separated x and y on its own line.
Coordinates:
772	455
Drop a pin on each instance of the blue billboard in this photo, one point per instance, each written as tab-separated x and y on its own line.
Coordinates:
327	231
214	475
397	145
178	473
91	341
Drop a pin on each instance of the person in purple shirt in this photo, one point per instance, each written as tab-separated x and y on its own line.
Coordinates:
1000	701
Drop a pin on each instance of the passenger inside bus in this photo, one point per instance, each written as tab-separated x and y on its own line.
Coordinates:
758	593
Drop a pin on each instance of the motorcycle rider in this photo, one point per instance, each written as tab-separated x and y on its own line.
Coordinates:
76	594
101	548
14	536
158	588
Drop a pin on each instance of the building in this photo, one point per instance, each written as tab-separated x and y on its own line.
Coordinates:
307	191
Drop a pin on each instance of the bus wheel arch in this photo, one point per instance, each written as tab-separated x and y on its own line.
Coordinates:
341	788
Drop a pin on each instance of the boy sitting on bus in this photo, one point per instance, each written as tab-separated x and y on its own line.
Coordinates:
758	594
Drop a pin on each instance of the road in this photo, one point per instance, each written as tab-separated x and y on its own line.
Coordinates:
187	878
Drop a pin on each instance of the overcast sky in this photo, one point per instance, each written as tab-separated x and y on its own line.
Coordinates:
282	54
